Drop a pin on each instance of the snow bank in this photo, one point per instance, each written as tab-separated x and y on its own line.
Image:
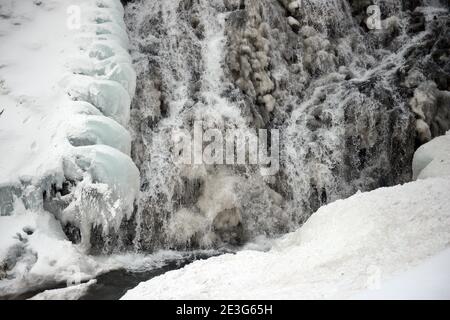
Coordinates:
66	82
70	293
433	158
429	280
35	254
35	251
343	248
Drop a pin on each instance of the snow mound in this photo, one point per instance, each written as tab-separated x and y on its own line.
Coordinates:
429	280
105	196
97	130
64	107
433	158
345	247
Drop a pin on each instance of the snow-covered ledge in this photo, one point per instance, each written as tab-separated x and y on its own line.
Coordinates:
66	83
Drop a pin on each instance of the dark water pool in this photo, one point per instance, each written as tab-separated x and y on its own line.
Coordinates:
114	284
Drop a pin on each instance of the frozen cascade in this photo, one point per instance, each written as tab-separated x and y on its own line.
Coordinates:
351	105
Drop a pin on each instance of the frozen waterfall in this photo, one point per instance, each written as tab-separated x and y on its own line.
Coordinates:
343	97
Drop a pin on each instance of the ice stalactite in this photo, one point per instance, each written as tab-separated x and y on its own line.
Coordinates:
104	180
179	52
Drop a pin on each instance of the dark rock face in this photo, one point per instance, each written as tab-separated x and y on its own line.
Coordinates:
351	105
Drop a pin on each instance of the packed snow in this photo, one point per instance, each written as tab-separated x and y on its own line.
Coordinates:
372	245
35	251
69	293
429	280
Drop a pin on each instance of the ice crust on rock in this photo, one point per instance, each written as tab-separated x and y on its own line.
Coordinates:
34	250
96	130
108	96
115	68
74	292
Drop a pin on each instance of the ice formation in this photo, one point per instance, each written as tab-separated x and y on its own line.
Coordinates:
70	293
433	158
65	166
35	251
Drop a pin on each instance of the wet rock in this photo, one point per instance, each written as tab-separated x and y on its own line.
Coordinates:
339	94
28	230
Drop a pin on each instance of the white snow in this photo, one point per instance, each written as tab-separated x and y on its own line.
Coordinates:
337	253
64	106
369	246
39	54
429	280
106	195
